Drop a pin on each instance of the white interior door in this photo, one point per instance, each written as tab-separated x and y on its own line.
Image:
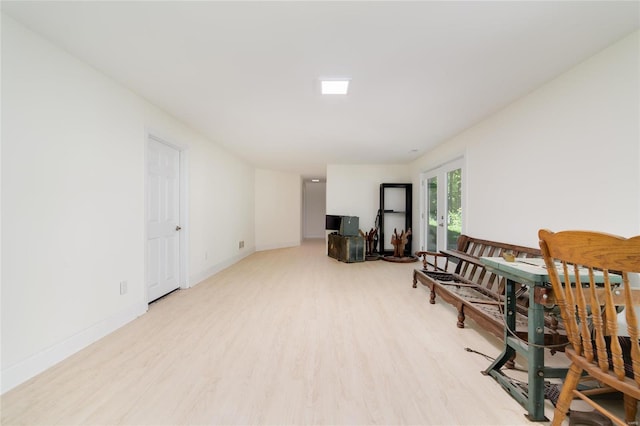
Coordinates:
163	219
443	206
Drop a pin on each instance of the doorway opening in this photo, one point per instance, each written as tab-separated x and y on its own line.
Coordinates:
314	199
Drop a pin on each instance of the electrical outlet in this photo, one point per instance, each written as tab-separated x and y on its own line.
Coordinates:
123	287
241	244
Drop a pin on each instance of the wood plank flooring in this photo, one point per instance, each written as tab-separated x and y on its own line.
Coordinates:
286	336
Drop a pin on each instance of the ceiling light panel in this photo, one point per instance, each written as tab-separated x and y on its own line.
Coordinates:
334	87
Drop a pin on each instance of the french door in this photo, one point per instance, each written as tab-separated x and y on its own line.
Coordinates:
443	206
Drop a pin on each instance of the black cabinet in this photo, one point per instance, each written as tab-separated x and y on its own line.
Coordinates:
395	213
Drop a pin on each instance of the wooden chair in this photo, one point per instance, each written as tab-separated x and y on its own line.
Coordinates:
590	316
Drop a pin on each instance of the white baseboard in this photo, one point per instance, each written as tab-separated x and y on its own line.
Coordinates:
212	270
277	246
22	371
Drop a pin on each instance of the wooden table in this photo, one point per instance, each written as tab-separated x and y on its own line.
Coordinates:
532	272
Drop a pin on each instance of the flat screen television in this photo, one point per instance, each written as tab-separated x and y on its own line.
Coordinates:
332	222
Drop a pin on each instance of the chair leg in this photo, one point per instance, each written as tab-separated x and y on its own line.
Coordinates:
566	394
630	409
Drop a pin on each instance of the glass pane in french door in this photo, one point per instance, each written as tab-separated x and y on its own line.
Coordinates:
454	207
432	214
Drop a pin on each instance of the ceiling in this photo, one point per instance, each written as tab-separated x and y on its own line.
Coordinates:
245	74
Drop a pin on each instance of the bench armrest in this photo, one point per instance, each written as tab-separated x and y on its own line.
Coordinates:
425	260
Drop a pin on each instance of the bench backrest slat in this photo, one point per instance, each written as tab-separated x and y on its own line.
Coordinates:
470	269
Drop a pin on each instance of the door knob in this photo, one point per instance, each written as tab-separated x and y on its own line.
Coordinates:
178	227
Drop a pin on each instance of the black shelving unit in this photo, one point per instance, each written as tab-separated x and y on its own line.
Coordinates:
395	212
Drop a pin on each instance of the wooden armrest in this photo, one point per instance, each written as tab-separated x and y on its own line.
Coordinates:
429	253
436	256
462	256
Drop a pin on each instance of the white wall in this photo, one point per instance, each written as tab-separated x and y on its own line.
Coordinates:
315	207
564	157
73	226
221	210
278	209
354	190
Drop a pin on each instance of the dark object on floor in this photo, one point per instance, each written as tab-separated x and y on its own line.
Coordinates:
588	418
346	249
552	392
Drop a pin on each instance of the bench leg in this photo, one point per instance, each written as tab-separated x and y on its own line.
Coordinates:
432	296
461	317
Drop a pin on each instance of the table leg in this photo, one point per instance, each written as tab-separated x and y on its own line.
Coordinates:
535	359
532	399
510	318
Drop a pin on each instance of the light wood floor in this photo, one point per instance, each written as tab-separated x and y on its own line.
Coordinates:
285	336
